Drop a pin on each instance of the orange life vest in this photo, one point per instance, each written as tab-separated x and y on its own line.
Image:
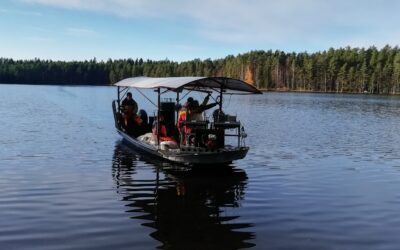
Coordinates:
182	116
163	130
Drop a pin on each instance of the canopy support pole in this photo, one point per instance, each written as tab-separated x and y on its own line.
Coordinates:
148	99
119	101
158	115
177	106
186	94
220	99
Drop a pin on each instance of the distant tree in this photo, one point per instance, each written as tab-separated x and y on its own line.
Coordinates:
338	70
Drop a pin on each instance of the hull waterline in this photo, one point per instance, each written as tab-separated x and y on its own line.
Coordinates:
188	156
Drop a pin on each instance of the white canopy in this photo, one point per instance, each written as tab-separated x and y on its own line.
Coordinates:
192	83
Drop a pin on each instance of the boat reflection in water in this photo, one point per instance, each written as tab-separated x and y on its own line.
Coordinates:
189	209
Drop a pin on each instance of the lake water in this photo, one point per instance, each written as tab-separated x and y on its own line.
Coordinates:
323	172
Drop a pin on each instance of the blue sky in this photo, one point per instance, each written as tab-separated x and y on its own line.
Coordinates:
183	30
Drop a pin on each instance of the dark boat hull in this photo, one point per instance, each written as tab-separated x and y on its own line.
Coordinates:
188	156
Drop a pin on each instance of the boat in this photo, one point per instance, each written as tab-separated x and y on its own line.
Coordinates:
195	140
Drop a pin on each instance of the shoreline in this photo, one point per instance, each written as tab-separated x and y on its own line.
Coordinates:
327	92
264	90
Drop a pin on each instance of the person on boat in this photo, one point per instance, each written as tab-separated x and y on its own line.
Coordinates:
132	124
192	111
145	126
199	109
128	101
162	130
183	116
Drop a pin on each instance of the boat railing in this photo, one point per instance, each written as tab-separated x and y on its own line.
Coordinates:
229	125
213	130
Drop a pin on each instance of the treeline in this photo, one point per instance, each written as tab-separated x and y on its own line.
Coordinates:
354	70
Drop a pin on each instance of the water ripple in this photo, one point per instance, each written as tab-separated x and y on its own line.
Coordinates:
322	173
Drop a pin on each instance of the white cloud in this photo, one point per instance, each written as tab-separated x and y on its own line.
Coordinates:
186	47
20	12
81	32
40	39
257	21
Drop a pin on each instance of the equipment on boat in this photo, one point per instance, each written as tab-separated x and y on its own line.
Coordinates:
192	140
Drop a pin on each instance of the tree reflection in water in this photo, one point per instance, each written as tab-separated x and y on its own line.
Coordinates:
188	208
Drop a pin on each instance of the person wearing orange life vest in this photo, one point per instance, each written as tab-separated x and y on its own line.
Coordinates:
191	108
183	116
163	130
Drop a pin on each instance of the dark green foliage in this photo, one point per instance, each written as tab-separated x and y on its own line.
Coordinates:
352	70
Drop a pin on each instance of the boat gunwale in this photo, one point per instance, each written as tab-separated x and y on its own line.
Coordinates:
189	157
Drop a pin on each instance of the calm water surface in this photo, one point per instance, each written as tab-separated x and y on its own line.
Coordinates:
323	172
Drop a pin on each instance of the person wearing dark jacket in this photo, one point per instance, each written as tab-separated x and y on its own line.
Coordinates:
128	101
131	123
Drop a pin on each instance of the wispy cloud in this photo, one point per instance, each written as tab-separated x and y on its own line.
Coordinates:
39	29
73	31
40	39
186	47
20	12
263	22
